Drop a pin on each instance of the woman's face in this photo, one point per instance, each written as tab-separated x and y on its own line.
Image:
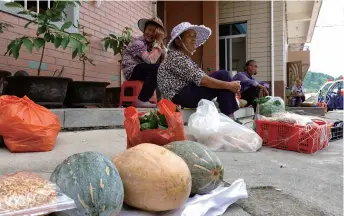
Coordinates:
149	33
189	40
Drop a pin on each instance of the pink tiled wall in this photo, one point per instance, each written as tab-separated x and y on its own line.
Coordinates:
110	17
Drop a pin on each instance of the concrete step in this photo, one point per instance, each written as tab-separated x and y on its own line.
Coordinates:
105	117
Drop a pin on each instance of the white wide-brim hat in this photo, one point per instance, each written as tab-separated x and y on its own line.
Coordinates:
203	33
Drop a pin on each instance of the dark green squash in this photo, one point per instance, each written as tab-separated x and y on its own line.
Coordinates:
205	167
93	182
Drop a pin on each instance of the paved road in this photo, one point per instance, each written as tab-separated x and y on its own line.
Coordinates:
310	184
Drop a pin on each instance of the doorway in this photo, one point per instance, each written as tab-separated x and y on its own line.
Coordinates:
232	47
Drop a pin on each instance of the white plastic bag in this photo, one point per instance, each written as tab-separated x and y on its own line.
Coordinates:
221	133
212	204
205	121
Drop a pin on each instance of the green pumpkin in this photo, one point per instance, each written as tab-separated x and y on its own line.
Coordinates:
205	167
93	182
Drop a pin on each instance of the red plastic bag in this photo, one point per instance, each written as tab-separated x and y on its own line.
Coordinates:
174	132
27	126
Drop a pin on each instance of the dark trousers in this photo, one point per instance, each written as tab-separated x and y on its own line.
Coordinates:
250	95
299	100
190	95
148	74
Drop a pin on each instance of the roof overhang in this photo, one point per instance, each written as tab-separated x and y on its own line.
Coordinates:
301	20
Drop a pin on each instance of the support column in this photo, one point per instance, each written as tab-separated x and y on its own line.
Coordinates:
210	56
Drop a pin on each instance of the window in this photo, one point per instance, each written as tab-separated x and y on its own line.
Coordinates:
40	6
233	29
36	6
232	46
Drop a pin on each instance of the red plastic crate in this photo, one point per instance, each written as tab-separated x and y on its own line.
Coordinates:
304	139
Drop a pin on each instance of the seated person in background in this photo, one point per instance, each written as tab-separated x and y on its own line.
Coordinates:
298	93
182	81
250	87
142	57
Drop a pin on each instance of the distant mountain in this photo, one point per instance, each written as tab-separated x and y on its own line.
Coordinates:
314	80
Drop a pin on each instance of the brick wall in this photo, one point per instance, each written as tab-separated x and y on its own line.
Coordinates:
257	15
110	17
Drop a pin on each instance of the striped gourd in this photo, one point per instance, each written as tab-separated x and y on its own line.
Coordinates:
205	167
93	182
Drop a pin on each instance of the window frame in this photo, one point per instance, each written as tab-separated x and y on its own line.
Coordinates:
228	39
70	11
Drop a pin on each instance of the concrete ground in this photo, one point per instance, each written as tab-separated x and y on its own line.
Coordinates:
309	184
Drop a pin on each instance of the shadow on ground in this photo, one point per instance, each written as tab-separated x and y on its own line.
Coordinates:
264	201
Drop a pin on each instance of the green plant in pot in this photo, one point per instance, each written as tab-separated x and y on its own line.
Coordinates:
48	90
118	43
85	93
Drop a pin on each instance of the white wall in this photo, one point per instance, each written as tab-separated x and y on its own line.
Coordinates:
257	15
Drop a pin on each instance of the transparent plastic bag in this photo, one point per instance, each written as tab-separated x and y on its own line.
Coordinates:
219	132
25	193
268	105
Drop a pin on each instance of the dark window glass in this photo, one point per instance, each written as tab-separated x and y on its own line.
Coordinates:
32	5
233	29
224	30
239	28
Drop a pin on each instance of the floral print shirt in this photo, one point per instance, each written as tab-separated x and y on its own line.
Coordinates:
176	72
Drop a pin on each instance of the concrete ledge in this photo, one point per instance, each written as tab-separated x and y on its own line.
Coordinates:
105	117
318	111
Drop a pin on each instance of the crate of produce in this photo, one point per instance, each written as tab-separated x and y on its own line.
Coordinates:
336	131
305	139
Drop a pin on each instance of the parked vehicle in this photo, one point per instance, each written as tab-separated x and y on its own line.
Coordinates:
332	94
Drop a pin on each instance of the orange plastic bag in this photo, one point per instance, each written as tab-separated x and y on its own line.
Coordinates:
174	132
27	126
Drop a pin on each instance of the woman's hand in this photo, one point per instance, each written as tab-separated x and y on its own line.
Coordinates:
234	86
263	89
159	38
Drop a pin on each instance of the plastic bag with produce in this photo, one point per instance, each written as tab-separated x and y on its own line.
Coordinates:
156	126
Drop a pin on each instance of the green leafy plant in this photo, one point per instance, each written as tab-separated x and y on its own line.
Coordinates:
4	26
48	32
269	105
118	43
82	54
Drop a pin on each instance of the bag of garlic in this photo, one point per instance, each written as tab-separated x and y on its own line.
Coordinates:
25	193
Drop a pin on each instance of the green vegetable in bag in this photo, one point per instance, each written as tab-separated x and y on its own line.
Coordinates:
153	120
269	105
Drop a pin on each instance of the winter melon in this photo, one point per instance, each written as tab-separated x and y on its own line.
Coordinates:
205	167
93	182
154	178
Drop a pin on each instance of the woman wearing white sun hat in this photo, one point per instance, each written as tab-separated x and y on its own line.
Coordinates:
183	82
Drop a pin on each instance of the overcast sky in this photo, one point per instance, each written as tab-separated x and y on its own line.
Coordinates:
327	46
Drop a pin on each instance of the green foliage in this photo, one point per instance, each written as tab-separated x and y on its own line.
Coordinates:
314	80
47	32
118	43
154	120
4	26
269	105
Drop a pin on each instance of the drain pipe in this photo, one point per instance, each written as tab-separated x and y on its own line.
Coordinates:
272	49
